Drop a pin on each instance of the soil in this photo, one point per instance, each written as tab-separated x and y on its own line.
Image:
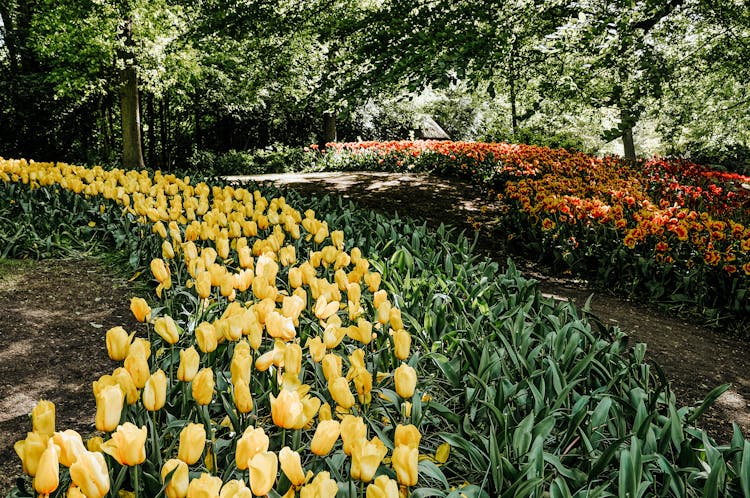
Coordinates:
56	312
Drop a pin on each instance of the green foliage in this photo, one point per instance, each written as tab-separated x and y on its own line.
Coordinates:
276	158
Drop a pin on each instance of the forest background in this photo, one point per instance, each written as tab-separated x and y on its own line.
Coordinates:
173	84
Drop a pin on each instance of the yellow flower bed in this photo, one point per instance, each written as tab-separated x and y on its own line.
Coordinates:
269	354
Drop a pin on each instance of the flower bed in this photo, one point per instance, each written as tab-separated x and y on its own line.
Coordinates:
280	356
663	230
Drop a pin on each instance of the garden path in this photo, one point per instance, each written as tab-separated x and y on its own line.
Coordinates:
695	359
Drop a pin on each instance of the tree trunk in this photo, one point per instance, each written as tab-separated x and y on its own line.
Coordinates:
132	152
329	128
164	130
151	133
626	125
513	108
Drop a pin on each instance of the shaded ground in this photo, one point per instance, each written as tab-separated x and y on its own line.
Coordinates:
54	317
695	359
55	314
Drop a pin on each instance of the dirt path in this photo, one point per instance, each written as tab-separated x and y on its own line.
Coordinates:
695	359
54	317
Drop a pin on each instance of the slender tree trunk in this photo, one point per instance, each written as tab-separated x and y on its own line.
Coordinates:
329	127
513	107
626	124
132	152
151	133
197	116
164	129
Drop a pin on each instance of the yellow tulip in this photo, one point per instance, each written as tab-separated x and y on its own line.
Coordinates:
243	398
287	410
241	363
137	366
407	435
324	413
70	444
177	486
405	378
245	257
401	343
125	381
292	306
353	430
382	487
47	476
140	308
206	486
293	359
384	312
109	403
203	284
324	309
205	336
340	392
263	468
332	366
189	364
167	329
167	250
235	489
373	279
118	343
326	435
322	486
203	386
43	418
94	443
89	472
405	461
337	239
128	445
316	348
442	453
30	451
366	458
160	270
192	443
155	392
140	347
295	277
222	247
291	466
279	326
253	441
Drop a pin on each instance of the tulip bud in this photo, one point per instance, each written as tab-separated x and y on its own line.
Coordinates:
160	270
243	398
189	364
383	487
128	445
203	386
109	403
205	335
204	487
43	418
155	392
263	468
295	277
177	486
241	362
137	366
89	473
405	378
167	329
366	458
140	308
332	366
118	343
293	359
253	441
48	473
167	251
317	348
70	444
340	392
326	435
401	343
405	461
291	466
192	443
30	451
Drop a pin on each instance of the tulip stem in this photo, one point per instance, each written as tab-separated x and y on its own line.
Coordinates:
136	484
155	442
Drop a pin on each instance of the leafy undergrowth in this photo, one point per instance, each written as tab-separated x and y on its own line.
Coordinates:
661	230
340	352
